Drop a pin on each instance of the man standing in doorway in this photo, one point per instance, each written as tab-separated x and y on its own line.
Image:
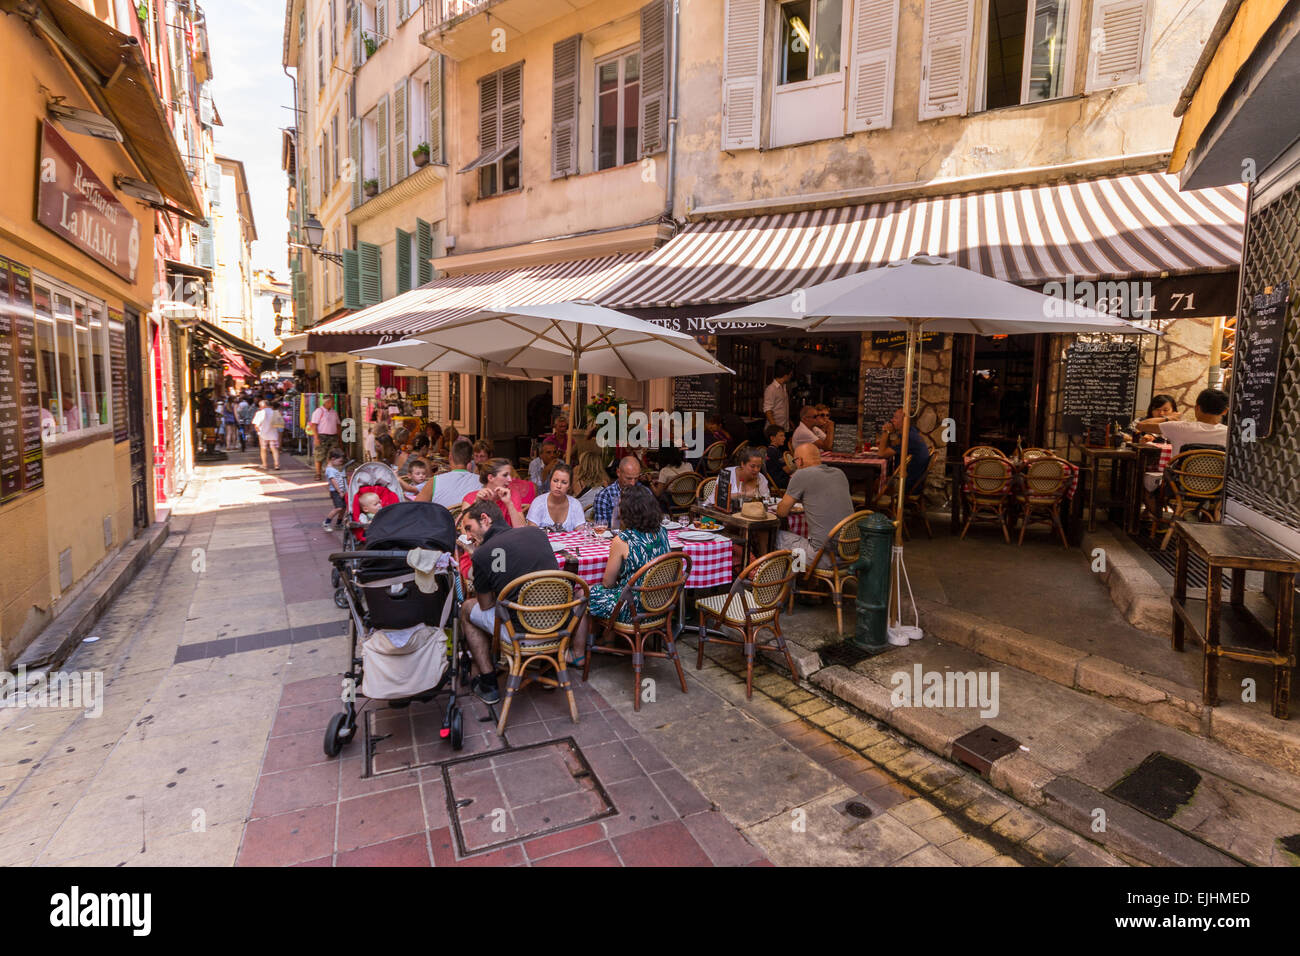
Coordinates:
776	398
325	428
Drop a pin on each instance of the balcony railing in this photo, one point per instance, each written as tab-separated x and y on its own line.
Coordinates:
439	12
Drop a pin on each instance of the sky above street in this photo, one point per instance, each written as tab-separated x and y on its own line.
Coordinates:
252	95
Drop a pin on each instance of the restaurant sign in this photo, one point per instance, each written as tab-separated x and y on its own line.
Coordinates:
74	203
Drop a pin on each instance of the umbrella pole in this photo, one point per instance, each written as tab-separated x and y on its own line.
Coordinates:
895	597
483	401
573	405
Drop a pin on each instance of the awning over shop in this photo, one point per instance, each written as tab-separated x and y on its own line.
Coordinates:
235	364
117	76
220	337
445	299
1120	227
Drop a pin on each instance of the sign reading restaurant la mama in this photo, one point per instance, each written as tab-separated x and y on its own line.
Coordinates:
74	203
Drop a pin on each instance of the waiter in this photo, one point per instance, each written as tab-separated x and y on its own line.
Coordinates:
776	399
324	426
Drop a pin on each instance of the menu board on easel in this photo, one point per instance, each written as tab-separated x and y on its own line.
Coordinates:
22	464
117	373
1260	346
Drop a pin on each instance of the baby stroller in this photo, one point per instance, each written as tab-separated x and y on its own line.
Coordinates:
385	602
373	476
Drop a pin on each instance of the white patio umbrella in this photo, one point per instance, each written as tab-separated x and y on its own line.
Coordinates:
576	336
931	294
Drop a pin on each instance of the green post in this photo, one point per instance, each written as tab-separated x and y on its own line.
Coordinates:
872	567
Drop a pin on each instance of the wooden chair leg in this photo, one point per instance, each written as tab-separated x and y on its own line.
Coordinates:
839	612
512	686
1003	516
699	644
562	677
638	656
749	666
1024	524
674	656
970	516
1060	527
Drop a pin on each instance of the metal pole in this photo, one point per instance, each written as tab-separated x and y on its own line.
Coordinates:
573	400
483	401
913	325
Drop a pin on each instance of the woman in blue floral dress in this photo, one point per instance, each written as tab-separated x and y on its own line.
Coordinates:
639	540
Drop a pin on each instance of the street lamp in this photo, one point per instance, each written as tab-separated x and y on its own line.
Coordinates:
277	304
315	235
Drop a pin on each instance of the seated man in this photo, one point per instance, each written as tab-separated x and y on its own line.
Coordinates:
824	492
605	510
540	468
450	488
1207	429
807	432
500	554
918	451
778	472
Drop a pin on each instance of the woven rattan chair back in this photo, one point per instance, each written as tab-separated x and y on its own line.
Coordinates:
707	488
989	476
544	602
845	540
715	456
1198	473
681	491
1046	478
659	584
983	451
1033	454
771	576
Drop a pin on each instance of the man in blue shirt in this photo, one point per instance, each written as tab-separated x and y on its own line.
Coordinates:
605	509
918	462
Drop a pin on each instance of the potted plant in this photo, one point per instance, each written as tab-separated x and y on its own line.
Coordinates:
421	154
142	11
371	187
372	44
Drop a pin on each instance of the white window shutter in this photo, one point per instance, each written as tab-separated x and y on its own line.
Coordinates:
381	121
358	49
564	107
945	57
435	109
381	20
656	57
401	158
871	68
742	73
1117	43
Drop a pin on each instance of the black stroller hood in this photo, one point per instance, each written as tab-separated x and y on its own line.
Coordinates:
411	524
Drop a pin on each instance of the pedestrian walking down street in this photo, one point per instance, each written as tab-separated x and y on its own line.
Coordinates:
269	424
324	427
336	478
245	414
231	423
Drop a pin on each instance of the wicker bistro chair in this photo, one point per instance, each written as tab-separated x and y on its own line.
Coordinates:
983	451
1194	481
1042	490
715	458
704	490
988	490
752	606
914	501
681	493
655	589
841	551
548	606
1033	454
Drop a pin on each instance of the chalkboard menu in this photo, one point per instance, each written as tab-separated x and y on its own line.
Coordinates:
117	369
882	395
21	452
695	393
846	436
1100	381
1260	346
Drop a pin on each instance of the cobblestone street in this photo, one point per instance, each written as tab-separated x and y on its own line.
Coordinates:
222	662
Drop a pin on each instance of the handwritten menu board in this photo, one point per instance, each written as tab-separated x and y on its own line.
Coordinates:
882	395
1260	347
695	393
22	464
1100	381
117	373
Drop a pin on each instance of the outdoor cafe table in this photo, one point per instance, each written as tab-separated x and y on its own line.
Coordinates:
742	529
710	560
861	466
1138	459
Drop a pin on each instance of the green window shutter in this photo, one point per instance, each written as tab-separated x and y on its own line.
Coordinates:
401	158
435	110
351	279
403	261
301	309
371	286
423	251
354	153
381	121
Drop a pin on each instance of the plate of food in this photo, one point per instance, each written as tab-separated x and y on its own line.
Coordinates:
698	536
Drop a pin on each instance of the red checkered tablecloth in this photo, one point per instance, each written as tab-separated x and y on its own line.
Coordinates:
710	560
797	523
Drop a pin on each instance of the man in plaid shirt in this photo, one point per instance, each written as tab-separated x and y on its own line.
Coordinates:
605	508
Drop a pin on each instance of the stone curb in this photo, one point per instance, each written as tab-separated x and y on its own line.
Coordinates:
1142	599
55	643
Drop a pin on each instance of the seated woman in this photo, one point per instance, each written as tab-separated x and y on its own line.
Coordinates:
386	450
1162	408
442	447
639	540
559	509
589	478
747	478
502	489
673	464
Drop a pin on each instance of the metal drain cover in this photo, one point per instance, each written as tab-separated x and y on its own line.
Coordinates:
846	654
983	745
1159	786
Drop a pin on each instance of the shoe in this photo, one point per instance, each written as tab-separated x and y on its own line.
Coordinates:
485	688
326	526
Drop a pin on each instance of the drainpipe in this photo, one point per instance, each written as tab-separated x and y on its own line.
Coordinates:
297	175
672	109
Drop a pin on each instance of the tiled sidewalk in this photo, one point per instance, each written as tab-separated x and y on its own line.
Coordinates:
619	804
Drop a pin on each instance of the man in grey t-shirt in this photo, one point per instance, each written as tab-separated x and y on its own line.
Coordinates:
824	492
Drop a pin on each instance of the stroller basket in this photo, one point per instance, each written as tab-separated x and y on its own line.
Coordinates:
396	602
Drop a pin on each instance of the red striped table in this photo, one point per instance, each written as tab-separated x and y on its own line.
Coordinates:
710	560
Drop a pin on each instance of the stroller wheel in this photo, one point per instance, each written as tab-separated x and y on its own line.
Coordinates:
337	733
335	581
457	730
340	599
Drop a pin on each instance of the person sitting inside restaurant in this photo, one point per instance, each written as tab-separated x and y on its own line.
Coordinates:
589	478
499	486
419	476
737	432
808	432
482	452
513	552
713	431
1206	429
826	425
778	472
1161	409
442	447
540	468
824	493
558	510
605	510
640	539
559	433
451	487
918	451
672	465
746	476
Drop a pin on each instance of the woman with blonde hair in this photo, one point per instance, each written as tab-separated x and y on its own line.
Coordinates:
588	478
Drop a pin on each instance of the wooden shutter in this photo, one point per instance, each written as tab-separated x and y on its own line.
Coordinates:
204	252
381	121
564	106
301	305
656	57
381	20
351	279
354	153
403	261
402	13
512	94
1117	43
436	154
945	57
871	69
370	283
742	73
358	48
334	32
423	252
489	113
401	158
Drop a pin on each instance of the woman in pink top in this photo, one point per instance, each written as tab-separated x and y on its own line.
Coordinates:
510	494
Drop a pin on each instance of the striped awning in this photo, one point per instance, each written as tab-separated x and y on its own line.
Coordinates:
442	300
1137	226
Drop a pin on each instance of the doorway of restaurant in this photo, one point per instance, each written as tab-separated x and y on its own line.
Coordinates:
135	422
998	387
